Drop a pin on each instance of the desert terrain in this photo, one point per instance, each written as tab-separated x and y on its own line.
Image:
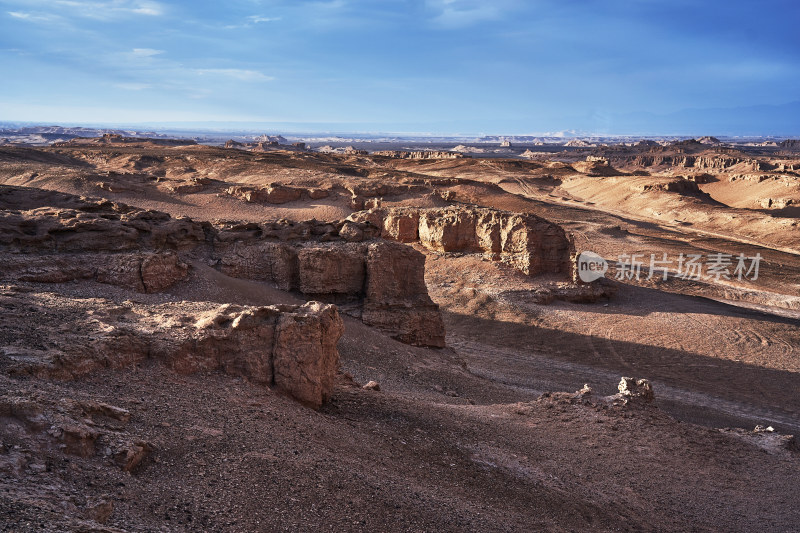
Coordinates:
265	337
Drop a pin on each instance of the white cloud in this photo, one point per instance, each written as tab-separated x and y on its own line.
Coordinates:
31	17
146	52
463	13
235	73
92	9
133	86
259	18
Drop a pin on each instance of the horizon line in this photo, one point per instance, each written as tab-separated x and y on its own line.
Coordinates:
262	127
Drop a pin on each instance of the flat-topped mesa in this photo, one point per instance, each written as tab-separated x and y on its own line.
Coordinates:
529	243
52	237
401	154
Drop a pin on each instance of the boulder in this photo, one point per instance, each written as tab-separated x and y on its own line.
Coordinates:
631	389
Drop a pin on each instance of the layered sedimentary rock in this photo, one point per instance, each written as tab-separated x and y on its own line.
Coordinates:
56	238
274	193
289	347
116	138
703	162
399	154
385	280
102	241
529	243
396	297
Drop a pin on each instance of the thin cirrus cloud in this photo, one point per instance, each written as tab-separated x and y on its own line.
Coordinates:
146	52
256	19
104	10
133	86
49	11
31	17
463	13
234	73
250	22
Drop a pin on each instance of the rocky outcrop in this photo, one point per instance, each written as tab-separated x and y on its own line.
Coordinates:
98	240
78	428
270	194
701	162
289	347
529	243
332	269
142	272
396	296
678	185
275	193
118	139
777	203
400	154
596	166
148	251
791	145
267	143
384	280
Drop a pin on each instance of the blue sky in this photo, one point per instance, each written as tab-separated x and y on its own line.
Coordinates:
439	66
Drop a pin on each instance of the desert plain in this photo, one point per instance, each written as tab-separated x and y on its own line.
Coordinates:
265	337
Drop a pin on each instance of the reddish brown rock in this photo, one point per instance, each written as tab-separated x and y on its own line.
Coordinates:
271	194
292	347
351	232
451	230
401	226
397	300
131	454
331	269
318	194
529	243
236	340
265	261
160	271
305	359
79	439
143	272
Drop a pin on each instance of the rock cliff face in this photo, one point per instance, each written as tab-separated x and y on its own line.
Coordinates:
396	297
57	238
275	193
529	243
399	154
118	139
384	279
694	161
289	347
